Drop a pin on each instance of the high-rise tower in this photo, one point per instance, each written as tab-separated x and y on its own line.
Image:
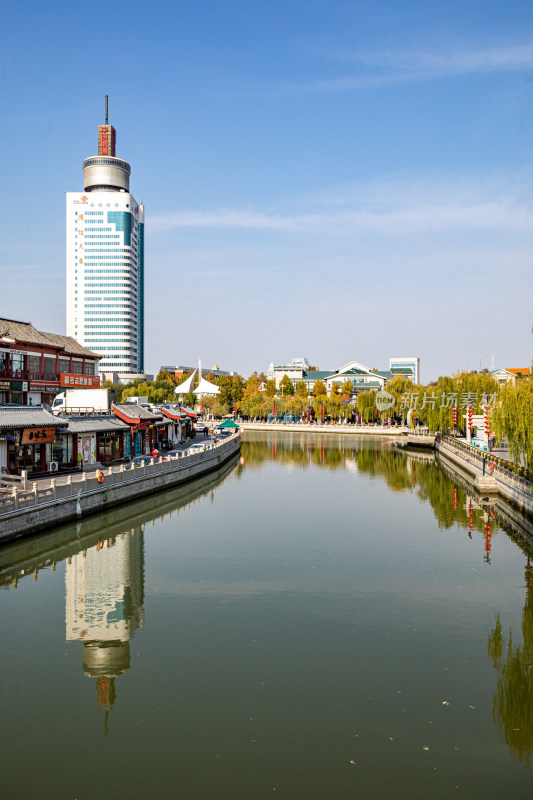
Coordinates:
105	261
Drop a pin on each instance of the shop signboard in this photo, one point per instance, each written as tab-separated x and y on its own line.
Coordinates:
19	386
5	386
39	386
37	435
79	381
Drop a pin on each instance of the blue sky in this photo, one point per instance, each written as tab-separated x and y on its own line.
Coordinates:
337	180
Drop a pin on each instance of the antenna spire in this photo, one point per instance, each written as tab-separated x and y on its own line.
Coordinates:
106	120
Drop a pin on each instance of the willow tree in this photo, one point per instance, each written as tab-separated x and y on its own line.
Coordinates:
512	417
366	405
434	404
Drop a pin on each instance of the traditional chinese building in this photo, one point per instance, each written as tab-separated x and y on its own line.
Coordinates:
27	439
142	425
35	366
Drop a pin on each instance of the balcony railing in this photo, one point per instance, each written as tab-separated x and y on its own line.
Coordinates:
25	375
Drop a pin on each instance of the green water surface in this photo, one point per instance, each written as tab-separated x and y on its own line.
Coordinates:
326	617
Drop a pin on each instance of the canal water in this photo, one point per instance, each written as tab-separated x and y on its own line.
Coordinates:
325	617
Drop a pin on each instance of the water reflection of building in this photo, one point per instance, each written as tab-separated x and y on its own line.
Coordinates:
104	599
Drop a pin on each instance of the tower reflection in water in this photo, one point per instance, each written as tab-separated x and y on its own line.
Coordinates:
104	607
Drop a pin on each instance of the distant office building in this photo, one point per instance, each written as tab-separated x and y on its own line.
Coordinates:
126	377
180	370
105	261
408	366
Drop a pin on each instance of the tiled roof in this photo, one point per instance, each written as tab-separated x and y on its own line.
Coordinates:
70	345
317	375
518	370
133	411
401	370
27	417
25	332
353	371
92	424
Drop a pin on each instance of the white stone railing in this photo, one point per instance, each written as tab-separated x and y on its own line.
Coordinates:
38	493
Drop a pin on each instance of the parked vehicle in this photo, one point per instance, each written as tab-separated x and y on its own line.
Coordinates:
140	460
148	459
84	401
196	448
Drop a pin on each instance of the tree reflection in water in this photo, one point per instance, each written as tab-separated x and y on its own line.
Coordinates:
453	504
513	702
401	470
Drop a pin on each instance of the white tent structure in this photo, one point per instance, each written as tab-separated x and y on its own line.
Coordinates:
205	389
185	387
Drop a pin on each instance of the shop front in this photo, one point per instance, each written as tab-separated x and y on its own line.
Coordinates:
174	425
12	391
110	447
142	423
26	439
91	440
42	392
65	450
32	451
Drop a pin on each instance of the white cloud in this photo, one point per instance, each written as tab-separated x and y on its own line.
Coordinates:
389	68
496	59
405	206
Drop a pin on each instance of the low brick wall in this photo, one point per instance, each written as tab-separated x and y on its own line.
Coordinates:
26	513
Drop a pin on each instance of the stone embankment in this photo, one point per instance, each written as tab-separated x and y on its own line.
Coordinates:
306	427
486	474
24	512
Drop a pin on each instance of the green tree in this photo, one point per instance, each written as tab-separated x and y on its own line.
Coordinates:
366	405
270	388
251	388
319	388
512	417
189	400
286	385
347	389
165	375
301	389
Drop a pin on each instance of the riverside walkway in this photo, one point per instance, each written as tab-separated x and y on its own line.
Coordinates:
44	504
